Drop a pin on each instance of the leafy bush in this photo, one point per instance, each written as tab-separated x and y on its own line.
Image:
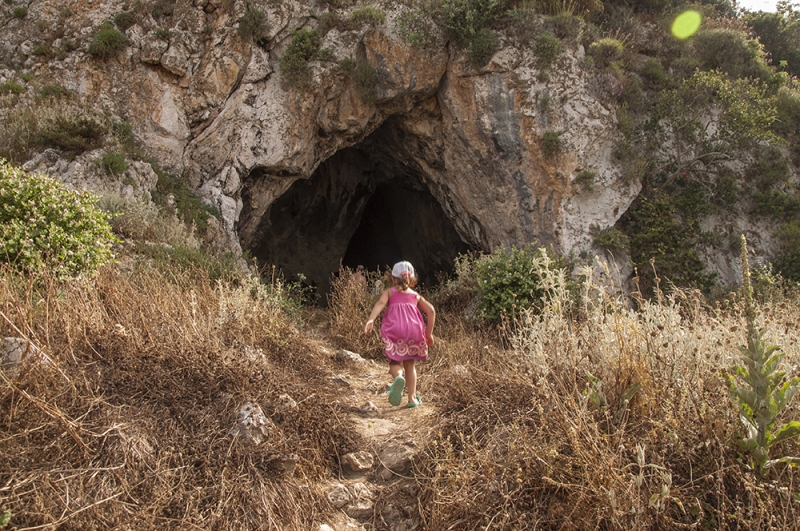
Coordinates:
164	8
468	21
163	34
74	136
107	43
44	227
20	12
612	239
189	207
787	259
769	168
653	74
294	64
54	92
546	49
124	20
510	281
327	21
585	179
11	87
367	16
551	144
43	50
114	162
605	51
364	76
416	27
254	26
731	51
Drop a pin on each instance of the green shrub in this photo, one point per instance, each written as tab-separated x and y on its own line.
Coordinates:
653	74
163	34
468	22
509	281
731	51
367	16
254	26
612	239
189	207
11	87
416	26
551	144
585	179
787	259
163	8
43	50
54	92
46	228
769	168
124	20
114	162
327	21
364	76
606	51
565	26
546	49
20	12
294	64
107	43
74	136
482	46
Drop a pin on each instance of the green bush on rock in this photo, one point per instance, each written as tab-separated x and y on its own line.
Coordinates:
47	228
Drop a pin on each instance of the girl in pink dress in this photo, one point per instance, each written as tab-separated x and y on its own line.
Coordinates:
404	332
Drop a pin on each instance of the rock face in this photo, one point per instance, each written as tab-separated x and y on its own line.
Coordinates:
446	158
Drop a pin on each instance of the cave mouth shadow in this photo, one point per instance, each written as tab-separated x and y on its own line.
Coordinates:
356	209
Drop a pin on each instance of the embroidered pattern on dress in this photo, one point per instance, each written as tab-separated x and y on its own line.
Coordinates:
405	350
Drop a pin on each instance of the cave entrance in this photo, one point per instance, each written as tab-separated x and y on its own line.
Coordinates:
360	207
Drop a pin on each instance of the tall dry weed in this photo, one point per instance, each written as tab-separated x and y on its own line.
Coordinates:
602	416
126	422
350	304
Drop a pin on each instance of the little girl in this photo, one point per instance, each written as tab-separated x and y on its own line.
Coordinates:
403	331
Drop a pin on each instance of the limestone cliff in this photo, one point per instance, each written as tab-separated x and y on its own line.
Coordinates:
444	156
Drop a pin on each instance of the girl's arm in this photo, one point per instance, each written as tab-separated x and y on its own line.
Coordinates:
430	314
376	311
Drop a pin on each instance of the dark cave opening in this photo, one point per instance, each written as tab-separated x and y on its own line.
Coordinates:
360	207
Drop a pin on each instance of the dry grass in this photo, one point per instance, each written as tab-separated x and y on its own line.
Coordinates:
523	445
349	305
128	426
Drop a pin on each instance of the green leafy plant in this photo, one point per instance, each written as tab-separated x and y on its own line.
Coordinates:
605	51
163	34
509	281
294	63
188	206
43	50
551	144
45	227
585	179
547	48
416	27
11	87
5	518
124	20
72	135
469	21
54	92
760	390
733	52
107	43
20	12
612	239
114	162
364	76
367	16
163	8
254	26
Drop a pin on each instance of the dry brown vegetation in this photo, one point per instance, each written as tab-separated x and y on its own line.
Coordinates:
596	416
126	424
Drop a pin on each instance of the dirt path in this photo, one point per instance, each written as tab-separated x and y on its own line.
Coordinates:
375	487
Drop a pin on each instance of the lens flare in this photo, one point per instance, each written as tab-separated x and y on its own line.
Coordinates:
686	24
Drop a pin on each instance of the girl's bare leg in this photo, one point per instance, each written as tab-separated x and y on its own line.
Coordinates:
411	380
395	369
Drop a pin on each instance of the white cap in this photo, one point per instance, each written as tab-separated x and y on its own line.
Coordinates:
402	269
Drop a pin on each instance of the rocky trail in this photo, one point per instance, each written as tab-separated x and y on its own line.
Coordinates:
374	484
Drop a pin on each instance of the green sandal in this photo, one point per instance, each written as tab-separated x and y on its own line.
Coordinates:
396	390
417	403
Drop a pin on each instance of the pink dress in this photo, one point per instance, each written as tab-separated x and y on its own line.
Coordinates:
403	329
